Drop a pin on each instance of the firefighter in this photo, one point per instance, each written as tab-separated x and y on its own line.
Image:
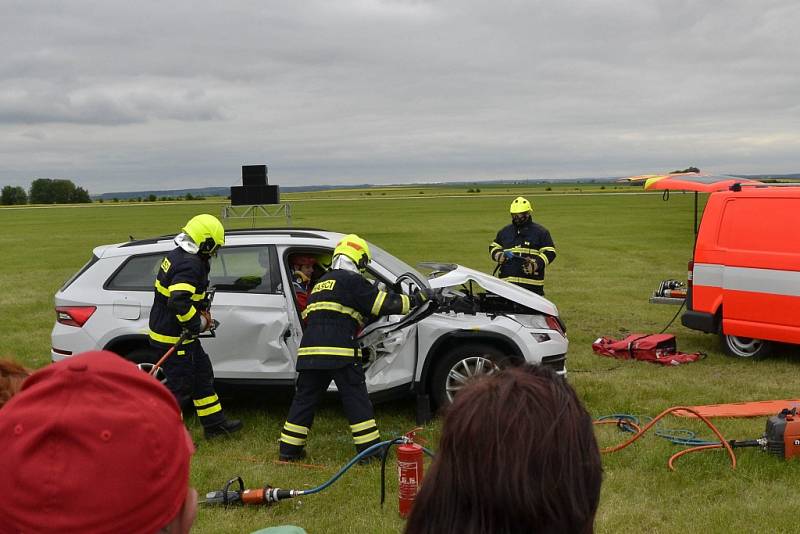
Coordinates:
182	306
339	305
523	249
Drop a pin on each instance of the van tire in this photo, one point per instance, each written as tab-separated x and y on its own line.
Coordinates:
467	360
745	347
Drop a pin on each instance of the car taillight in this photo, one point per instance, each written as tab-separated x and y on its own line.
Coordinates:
74	315
555	324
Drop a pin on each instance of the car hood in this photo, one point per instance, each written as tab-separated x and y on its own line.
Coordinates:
456	275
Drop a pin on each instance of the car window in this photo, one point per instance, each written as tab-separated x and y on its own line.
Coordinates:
248	269
137	273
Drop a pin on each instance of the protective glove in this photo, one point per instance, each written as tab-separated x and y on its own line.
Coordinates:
206	322
421	296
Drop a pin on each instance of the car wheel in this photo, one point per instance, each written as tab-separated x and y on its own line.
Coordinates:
460	365
746	347
145	359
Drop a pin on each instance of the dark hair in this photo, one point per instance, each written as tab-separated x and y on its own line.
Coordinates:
12	375
517	454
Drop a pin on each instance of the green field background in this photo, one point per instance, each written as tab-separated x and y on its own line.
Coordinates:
614	247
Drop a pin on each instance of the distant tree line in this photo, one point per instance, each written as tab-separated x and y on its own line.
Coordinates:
45	191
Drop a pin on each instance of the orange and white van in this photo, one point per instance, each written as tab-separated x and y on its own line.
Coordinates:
744	280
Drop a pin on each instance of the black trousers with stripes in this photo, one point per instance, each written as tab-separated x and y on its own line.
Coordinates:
311	384
191	376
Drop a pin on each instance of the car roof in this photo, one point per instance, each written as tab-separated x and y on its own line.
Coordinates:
279	235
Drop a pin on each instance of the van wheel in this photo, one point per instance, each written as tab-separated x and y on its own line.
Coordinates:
459	366
746	347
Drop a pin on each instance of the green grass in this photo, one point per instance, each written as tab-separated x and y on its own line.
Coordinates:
612	251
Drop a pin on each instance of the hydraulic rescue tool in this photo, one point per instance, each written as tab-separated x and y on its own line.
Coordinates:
781	437
409	465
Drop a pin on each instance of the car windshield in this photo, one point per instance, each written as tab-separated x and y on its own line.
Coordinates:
395	265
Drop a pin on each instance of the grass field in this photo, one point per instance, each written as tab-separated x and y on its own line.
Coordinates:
613	249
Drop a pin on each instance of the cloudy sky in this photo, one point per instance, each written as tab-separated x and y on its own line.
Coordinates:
130	96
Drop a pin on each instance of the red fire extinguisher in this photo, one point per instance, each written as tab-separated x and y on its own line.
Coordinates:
409	473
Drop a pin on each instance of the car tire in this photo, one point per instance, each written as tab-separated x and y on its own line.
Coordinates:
145	358
746	347
461	364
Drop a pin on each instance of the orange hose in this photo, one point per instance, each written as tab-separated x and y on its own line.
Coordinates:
695	449
648	426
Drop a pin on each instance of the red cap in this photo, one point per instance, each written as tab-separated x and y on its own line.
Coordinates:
303	260
92	444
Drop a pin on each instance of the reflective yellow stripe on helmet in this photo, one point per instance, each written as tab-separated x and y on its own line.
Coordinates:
335	307
327	351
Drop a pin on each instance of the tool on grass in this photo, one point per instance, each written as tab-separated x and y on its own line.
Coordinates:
409	453
781	436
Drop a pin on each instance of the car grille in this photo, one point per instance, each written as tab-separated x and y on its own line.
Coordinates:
556	363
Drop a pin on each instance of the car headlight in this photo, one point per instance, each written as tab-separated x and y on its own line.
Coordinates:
532	321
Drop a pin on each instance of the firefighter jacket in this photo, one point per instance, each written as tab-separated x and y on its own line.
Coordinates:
528	241
180	296
339	305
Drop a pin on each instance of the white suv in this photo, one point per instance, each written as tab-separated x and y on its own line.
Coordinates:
483	322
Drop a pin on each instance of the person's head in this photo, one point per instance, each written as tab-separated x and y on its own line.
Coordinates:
303	264
517	454
207	233
521	211
12	375
93	444
356	249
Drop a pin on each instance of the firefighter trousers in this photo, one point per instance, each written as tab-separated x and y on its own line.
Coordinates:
311	384
191	376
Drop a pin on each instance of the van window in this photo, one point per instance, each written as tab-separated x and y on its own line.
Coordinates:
760	225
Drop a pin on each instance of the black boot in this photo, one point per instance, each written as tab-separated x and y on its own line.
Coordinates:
292	457
225	428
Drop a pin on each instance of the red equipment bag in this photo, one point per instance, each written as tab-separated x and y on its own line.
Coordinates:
656	348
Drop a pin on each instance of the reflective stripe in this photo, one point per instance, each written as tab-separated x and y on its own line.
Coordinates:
206	400
771	281
208	411
161	289
188	315
182	287
406	304
169	340
519	280
295	428
547	249
372	436
376	307
199	296
335	307
291	440
363	425
326	351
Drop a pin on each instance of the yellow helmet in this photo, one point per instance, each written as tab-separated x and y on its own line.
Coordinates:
520	205
207	233
354	248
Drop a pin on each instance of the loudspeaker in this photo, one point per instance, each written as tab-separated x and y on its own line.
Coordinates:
254	175
249	195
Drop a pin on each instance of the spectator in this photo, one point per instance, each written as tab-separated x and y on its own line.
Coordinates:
92	444
517	454
12	375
